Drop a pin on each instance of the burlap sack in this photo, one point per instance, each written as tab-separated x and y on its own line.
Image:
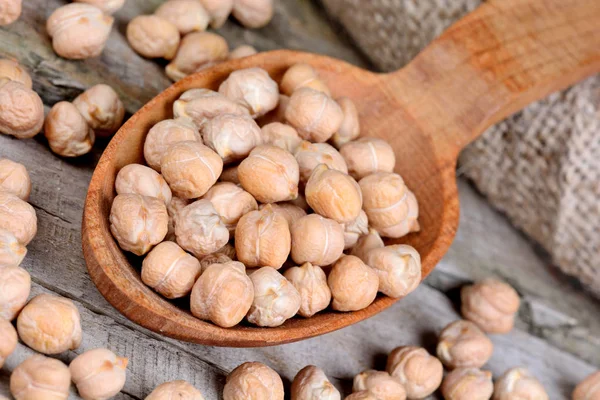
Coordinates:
541	167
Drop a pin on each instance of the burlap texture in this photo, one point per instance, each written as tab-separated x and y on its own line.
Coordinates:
541	167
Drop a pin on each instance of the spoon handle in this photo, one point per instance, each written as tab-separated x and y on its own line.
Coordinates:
495	61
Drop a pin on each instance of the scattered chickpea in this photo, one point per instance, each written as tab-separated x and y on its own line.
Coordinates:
242	51
231	136
230	174
164	134
316	240
419	372
491	304
170	271
311	282
67	131
366	243
368	155
380	383
11	69
177	204
107	6
17	217
11	251
281	135
181	390
468	384
139	179
153	37
287	210
102	108
15	285
310	155
408	224
350	128
311	383
40	378
223	294
201	105
10	11
518	383
138	222
98	374
8	340
218	10
214	258
589	388
275	298
253	381
199	229
302	75
186	15
21	110
231	202
253	13
355	229
278	114
50	324
353	284
314	114
253	88
463	344
14	179
262	238
79	30
398	268
196	50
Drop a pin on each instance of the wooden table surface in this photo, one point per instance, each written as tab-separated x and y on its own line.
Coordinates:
558	328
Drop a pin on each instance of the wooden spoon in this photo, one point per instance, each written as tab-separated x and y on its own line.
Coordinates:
490	64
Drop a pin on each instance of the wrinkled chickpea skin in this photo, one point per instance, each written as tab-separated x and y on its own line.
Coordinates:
14	179
314	114
380	383
253	88
164	134
218	10
40	378
231	202
21	110
287	210
366	243
302	75
354	230
11	251
98	374
18	217
398	268
201	105
468	384
197	50
199	229
275	298
518	383
367	156
232	136
311	383
311	283
350	127
353	284
420	373
281	135
139	179
10	11
491	304
67	131
153	37
11	69
186	15
175	390
316	240
8	340
253	13
15	285
310	155
107	6
463	344
253	381
102	108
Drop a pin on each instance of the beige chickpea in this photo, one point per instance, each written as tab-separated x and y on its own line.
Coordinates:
17	217
334	194
262	238
419	372
463	344
218	10
199	229
21	110
153	37
214	258
355	229
314	114
353	284
15	285
11	251
589	388
281	135
99	374
8	340
491	304
380	383
368	155
67	131
190	168
12	70
138	222
362	395
177	204
310	155
468	384
253	88
242	51
50	324
230	174
366	243
311	383
107	6
79	30
311	282
253	13
231	136
164	134
350	128
139	179
186	15
398	268
408	224
302	75
287	210
10	11
275	298
278	114
40	378
518	383
181	390
102	108
223	294
201	105
253	381
197	49
231	202
270	174
316	240
170	271
14	179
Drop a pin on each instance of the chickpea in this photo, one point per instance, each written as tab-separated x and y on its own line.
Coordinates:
589	388
362	395
40	378
214	258
311	283
201	105
311	383
309	155
419	372
253	13
138	222
102	108
302	75
164	134
468	384
230	174
366	243
409	224
314	114
139	179
11	69
278	114
21	110
289	211
253	381
17	217
270	174
281	135
181	390
300	202
15	285
50	324
231	136
11	251
242	51
231	202
353	284
218	10
79	30
334	194
14	179
107	6
177	204
368	155
199	229
316	240
275	298
197	50
355	229
350	128
463	344
380	383
262	238
8	340
98	374
518	383
253	88
190	168
223	294
491	304
170	271
67	131
398	268
10	11
186	15
153	37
